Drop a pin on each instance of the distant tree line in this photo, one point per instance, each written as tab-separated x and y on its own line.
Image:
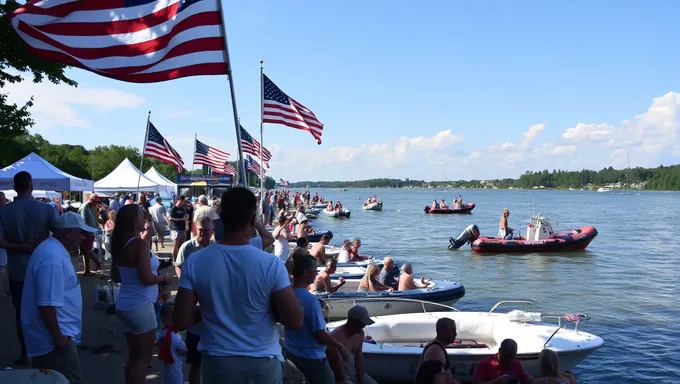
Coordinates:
659	178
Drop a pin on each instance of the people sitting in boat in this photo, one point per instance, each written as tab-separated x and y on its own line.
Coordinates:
329	206
385	278
370	283
504	231
351	335
443	205
319	250
406	280
354	251
322	282
550	369
458	202
303	229
368	201
436	349
343	256
502	364
435	204
338	206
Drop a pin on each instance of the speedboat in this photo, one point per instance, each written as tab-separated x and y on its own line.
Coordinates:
394	344
540	238
357	269
331	250
436	291
377	206
466	208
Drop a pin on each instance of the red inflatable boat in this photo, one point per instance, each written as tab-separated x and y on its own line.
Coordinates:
467	208
576	239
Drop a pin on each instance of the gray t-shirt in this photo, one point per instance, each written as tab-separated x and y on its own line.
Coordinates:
386	278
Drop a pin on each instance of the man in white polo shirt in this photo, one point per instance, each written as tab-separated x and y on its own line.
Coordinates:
52	304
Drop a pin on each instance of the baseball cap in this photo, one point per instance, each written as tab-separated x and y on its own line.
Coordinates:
72	220
360	313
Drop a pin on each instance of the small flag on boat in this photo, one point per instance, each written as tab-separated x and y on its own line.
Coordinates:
252	146
284	183
279	108
140	41
572	317
210	156
158	148
228	169
253	166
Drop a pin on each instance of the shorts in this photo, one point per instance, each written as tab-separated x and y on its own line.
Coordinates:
86	244
175	234
193	355
160	230
139	320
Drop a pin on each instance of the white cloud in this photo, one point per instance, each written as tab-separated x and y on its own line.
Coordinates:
59	104
563	150
532	133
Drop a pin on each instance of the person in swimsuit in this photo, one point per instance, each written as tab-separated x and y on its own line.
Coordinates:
504	231
318	251
322	282
370	283
436	349
550	369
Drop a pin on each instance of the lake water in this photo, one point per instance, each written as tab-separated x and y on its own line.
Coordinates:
627	279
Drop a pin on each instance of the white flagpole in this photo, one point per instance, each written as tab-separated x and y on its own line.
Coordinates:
242	168
141	161
261	140
193	166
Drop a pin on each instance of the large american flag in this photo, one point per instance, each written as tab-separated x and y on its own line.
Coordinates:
210	156
158	148
252	146
278	108
228	169
284	183
253	166
139	41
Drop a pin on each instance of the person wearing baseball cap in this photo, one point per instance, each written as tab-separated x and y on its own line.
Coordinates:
52	304
351	336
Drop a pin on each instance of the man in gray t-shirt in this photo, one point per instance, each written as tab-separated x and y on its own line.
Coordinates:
385	277
23	225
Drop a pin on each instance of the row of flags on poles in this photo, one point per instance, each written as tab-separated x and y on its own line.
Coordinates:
146	41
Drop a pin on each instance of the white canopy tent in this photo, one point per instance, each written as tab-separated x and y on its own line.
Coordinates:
124	179
11	194
45	176
164	185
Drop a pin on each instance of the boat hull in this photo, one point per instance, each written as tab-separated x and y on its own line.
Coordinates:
467	208
315	237
344	213
574	240
373	207
378	303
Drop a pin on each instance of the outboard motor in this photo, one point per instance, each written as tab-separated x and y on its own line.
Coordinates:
470	234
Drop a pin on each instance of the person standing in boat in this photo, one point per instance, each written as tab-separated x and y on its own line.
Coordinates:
504	231
436	349
351	335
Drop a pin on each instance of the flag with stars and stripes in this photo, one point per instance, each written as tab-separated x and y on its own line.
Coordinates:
228	169
279	108
158	148
284	183
210	156
253	166
140	41
250	145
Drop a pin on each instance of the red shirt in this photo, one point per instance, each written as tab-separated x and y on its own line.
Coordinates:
489	369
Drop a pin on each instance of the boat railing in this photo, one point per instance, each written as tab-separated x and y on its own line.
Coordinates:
358	300
526	303
563	321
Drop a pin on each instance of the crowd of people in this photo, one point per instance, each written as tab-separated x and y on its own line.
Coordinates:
456	204
232	299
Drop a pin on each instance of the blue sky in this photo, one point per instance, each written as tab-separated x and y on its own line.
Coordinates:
414	89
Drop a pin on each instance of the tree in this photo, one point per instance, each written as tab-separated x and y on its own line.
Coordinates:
15	58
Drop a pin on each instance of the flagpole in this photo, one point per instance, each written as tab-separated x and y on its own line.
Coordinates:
141	161
193	165
261	140
227	62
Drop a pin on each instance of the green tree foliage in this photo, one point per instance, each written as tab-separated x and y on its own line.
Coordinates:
15	58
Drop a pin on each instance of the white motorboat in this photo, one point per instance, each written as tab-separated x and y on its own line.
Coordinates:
603	189
380	303
320	205
397	340
345	213
331	250
377	206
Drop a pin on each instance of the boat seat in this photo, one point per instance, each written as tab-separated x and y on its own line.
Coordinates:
381	333
462	344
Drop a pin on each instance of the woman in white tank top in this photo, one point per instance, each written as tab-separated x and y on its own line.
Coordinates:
281	239
135	267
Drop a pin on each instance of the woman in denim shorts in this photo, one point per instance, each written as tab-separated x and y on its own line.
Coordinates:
136	268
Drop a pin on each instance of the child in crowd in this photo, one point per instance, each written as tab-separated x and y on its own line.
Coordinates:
171	349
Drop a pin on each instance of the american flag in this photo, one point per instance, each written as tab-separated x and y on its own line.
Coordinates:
207	155
158	148
139	41
250	145
253	166
284	183
278	108
228	169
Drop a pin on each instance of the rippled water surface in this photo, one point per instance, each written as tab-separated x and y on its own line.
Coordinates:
627	279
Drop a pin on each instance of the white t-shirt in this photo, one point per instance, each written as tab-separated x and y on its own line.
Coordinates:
343	257
234	284
51	281
172	373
